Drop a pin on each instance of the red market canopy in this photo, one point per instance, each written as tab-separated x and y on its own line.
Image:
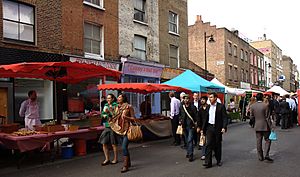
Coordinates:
143	88
66	72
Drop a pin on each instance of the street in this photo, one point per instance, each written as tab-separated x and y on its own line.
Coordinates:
160	159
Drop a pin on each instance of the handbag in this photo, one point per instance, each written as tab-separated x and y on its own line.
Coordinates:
273	136
134	132
179	130
202	140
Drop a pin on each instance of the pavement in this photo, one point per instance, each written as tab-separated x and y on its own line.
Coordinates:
161	159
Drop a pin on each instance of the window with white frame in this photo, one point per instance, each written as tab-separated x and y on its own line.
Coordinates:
92	39
18	21
140	47
173	22
173	53
96	3
139	10
236	74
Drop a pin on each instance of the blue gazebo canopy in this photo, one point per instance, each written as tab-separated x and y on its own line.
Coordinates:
194	82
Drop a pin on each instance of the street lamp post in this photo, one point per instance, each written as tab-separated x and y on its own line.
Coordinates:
211	39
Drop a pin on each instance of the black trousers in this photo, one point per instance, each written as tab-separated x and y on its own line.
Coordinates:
213	143
175	123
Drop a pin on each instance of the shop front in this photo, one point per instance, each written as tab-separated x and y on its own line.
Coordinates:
134	71
14	90
84	96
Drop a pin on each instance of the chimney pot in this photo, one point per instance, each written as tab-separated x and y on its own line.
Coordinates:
198	18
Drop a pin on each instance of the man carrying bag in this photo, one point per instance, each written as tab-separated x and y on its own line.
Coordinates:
188	118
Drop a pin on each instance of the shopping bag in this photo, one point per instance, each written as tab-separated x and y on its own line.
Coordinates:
134	133
273	136
202	140
179	130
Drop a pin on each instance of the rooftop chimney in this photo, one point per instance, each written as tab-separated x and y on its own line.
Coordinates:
265	36
199	19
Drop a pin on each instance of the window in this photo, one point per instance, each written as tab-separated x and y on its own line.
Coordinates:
252	76
18	22
246	56
235	74
173	22
230	73
254	60
251	58
44	89
97	3
242	54
92	39
235	51
229	48
242	75
139	10
247	76
173	56
140	47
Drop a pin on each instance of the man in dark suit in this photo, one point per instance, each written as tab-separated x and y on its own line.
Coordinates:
214	125
259	112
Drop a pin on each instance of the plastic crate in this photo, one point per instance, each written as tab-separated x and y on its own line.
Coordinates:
9	128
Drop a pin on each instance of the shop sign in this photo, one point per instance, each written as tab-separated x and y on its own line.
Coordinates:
141	70
109	65
245	85
169	73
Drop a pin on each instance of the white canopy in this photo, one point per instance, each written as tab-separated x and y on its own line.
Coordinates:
233	91
279	90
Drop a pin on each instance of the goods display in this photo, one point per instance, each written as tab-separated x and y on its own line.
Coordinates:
24	132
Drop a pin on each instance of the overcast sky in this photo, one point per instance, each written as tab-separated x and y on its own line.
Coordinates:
276	18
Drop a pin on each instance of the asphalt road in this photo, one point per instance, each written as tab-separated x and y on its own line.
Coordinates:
160	159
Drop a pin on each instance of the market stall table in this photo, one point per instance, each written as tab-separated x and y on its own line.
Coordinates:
32	142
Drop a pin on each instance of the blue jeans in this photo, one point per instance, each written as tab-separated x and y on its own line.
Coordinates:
189	136
203	150
125	143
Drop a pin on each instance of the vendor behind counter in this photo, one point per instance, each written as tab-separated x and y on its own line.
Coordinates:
145	107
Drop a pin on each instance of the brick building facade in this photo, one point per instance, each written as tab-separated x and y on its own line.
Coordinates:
230	58
54	30
173	33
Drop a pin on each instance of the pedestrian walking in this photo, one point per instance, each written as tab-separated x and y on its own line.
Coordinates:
214	126
174	116
284	113
120	124
188	119
203	113
259	111
109	137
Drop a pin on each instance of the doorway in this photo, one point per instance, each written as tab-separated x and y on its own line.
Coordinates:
3	102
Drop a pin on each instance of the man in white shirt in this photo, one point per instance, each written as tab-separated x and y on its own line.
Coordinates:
292	117
30	110
214	125
174	115
196	100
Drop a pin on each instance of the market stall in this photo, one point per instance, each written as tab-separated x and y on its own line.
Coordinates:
65	72
153	125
